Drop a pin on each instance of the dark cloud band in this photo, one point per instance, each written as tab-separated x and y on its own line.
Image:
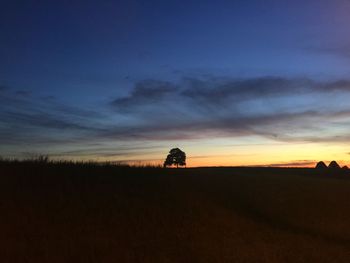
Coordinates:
194	108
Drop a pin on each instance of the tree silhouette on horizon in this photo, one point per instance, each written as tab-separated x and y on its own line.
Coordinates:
175	157
321	165
334	165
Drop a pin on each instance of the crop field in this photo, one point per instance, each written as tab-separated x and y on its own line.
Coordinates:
89	213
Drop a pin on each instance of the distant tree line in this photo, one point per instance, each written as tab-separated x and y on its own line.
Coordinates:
332	165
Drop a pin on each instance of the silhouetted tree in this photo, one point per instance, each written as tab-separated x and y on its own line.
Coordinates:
175	157
321	165
334	165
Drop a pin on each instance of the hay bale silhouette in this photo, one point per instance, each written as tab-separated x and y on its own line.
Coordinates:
321	165
345	167
333	165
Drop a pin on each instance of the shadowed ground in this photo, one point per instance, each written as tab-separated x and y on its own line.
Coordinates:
72	213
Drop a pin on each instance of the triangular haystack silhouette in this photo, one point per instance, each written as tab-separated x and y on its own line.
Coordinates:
321	165
345	167
333	165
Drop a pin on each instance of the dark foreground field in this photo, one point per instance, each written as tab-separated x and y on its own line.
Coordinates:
66	213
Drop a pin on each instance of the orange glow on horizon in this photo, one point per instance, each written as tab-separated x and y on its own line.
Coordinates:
230	152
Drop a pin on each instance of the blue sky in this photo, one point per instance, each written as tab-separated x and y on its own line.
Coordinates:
128	80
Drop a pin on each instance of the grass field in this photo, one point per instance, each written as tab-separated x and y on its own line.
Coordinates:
89	213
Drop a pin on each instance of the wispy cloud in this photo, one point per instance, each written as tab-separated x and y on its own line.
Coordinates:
145	93
277	108
194	108
28	119
296	163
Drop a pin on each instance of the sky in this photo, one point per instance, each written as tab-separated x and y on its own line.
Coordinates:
228	82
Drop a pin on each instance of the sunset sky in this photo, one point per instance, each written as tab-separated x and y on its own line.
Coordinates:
228	82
